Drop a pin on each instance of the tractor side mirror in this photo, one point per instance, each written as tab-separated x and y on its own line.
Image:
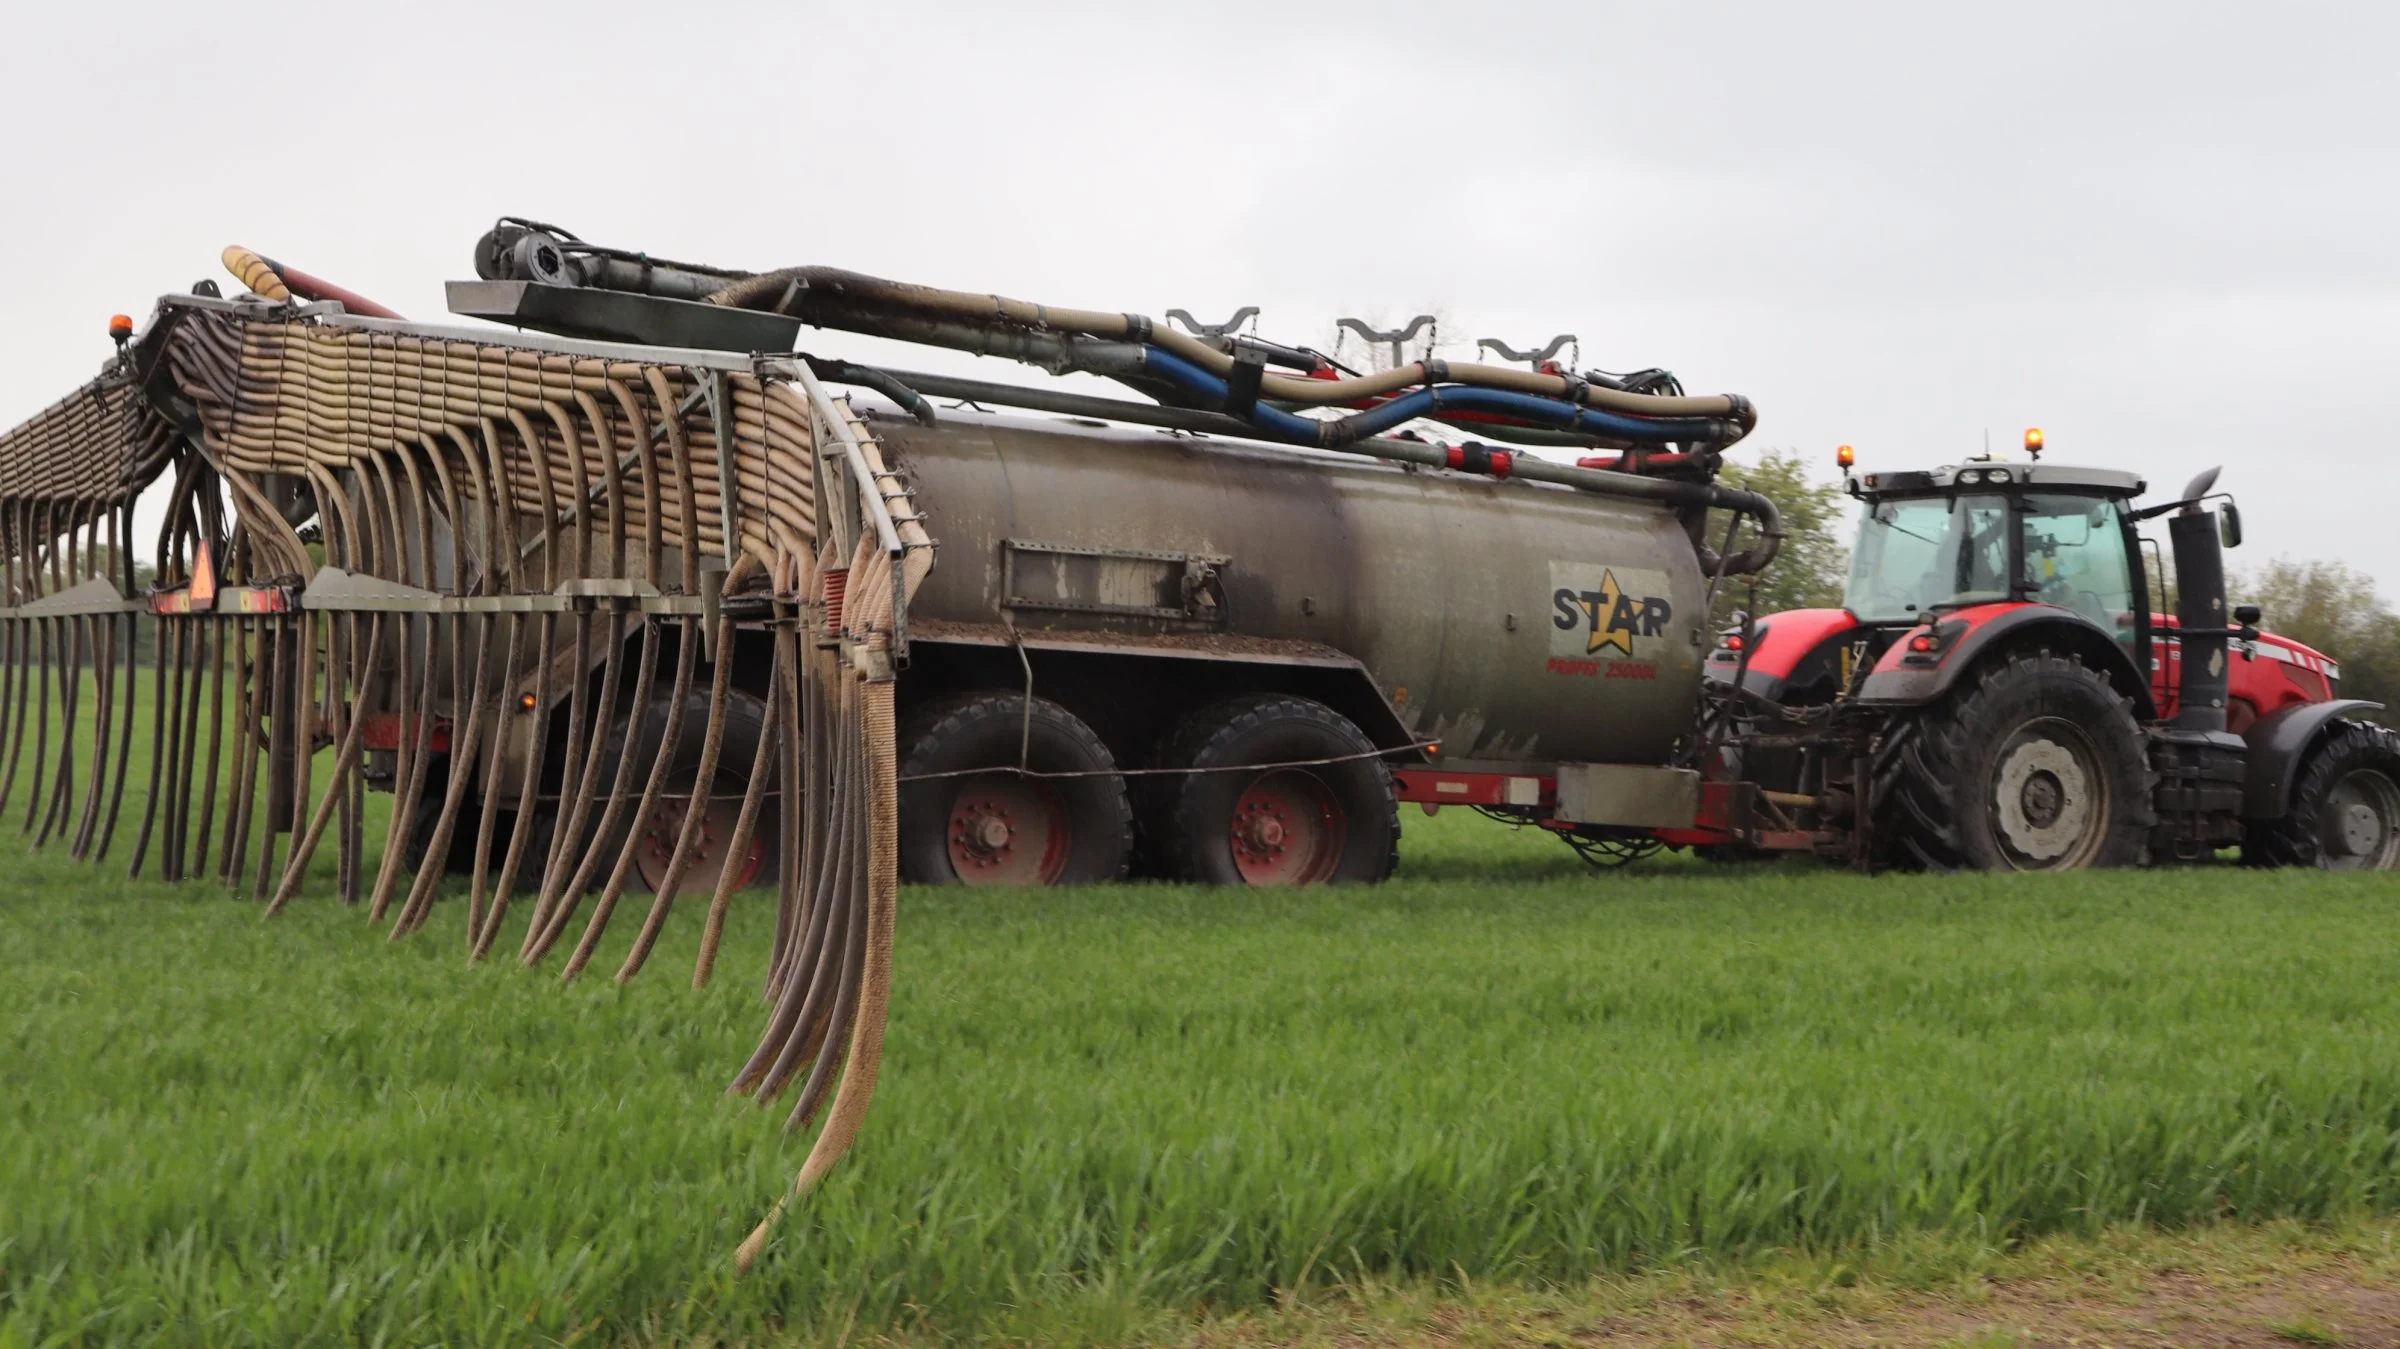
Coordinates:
2247	615
2229	525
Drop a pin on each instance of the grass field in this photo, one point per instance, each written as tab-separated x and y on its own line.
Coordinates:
1108	1112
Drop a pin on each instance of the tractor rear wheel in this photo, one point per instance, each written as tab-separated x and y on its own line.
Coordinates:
2035	764
1279	790
2345	813
968	817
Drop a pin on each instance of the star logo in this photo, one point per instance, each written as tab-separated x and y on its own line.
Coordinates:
1614	618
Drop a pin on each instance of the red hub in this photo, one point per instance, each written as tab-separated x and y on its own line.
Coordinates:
1287	830
709	862
1006	831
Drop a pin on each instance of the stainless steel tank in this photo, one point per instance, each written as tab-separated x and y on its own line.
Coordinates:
1514	621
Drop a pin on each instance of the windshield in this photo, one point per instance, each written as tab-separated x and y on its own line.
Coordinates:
1915	554
1929	552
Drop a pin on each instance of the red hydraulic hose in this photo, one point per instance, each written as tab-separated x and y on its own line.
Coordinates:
277	281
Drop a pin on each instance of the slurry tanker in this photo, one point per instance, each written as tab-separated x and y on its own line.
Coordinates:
631	595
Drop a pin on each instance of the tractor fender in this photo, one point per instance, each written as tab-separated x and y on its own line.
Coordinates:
1779	645
2279	745
1992	628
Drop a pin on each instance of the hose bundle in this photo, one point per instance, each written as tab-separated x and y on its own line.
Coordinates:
432	544
1216	371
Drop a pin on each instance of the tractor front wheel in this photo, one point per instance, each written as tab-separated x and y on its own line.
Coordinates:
2345	813
2034	764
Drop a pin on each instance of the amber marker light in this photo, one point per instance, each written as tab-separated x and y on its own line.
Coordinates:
2033	441
1845	456
526	702
120	326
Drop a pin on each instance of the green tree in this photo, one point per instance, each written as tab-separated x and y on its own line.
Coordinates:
1809	571
2336	610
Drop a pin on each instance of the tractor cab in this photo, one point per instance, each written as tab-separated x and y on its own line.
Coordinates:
1941	554
1992	532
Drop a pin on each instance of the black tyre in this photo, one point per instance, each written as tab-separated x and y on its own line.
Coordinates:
541	834
1328	822
2032	764
1002	827
745	723
460	859
2345	813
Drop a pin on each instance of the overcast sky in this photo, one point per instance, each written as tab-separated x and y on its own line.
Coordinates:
2165	233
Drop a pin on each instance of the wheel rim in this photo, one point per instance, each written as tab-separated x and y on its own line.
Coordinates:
2359	827
2050	807
1286	830
1007	831
707	867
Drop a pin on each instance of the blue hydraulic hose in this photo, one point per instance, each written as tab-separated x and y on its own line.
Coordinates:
1540	411
1192	379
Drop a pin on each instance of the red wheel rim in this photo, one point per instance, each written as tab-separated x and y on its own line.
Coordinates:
1286	830
708	863
1007	831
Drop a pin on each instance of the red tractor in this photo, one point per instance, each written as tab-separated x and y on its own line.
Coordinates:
1997	693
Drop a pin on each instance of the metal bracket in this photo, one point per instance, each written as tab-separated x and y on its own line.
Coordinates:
1394	338
1536	359
1226	329
720	418
335	588
869	659
96	595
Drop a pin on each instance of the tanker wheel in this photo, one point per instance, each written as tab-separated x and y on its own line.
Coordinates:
2345	813
960	824
1302	822
744	723
460	860
2035	764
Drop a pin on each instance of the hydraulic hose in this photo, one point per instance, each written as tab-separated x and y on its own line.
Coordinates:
836	298
274	281
1432	402
811	293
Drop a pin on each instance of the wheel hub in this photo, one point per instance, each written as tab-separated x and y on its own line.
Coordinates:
2044	801
1261	827
709	860
982	830
1004	832
1286	830
2362	831
2359	825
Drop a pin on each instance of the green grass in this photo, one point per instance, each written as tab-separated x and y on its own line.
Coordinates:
1105	1112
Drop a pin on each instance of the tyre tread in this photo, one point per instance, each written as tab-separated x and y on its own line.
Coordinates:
2291	840
1202	737
1918	811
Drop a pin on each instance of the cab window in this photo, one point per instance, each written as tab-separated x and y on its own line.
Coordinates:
2075	558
